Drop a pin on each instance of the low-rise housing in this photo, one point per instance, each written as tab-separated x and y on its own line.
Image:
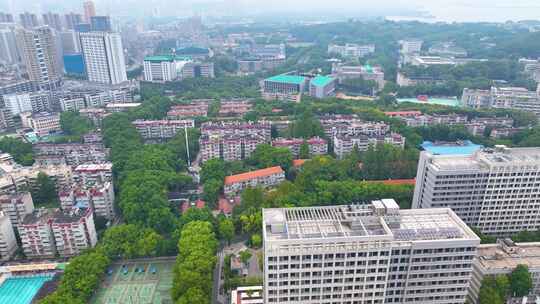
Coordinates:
316	145
161	129
73	154
91	174
193	109
267	177
121	107
235	107
247	295
44	123
344	143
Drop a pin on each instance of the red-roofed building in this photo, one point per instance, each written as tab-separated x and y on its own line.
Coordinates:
226	206
403	114
199	204
264	177
298	162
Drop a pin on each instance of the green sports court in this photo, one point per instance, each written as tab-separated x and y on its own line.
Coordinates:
145	281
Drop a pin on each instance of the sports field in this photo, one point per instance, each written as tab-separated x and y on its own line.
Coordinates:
137	282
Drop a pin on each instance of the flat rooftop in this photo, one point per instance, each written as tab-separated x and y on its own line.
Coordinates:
506	257
290	79
321	81
465	147
380	219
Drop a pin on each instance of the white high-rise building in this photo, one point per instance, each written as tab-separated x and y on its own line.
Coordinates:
104	57
8	242
28	102
372	253
496	190
9	52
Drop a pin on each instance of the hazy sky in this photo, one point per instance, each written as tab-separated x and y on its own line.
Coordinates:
448	10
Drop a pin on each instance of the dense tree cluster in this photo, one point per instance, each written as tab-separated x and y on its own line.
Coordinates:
19	150
193	271
74	126
496	289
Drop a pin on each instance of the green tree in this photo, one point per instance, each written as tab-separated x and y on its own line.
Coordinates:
20	151
129	241
193	295
304	151
211	191
256	240
213	169
245	256
44	192
306	125
72	124
489	295
520	281
226	229
266	156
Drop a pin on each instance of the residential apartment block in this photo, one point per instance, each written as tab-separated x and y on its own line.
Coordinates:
28	102
193	109
8	242
502	98
163	68
316	145
501	259
104	57
344	143
232	140
267	177
74	231
36	234
368	253
495	190
352	125
16	206
161	129
99	197
91	174
72	154
198	69
234	107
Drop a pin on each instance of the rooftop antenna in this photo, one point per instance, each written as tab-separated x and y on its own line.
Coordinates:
187	147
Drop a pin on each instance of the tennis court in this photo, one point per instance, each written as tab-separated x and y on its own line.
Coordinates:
147	281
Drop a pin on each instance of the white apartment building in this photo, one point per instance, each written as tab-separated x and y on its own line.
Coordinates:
73	154
8	242
351	49
410	46
74	231
501	259
27	102
36	234
44	123
91	174
104	57
344	144
496	190
16	206
198	69
161	129
370	253
316	145
367	72
99	197
228	147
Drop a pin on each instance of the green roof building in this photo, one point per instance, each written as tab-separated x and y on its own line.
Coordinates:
322	86
284	87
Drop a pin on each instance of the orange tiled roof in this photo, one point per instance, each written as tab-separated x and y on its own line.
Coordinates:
403	113
298	162
252	174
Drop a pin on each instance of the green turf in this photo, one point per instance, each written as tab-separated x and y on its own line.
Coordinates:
137	288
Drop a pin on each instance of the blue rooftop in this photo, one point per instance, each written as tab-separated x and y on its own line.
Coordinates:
321	81
290	79
465	147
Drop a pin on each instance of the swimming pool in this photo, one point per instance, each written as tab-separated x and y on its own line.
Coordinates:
21	290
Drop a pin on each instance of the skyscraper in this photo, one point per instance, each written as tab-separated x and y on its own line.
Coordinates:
8	46
89	10
101	23
104	57
28	20
6	17
72	19
53	20
40	54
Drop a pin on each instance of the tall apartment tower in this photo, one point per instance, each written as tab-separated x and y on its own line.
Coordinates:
104	57
72	19
53	20
28	20
89	10
496	190
371	253
8	46
40	54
